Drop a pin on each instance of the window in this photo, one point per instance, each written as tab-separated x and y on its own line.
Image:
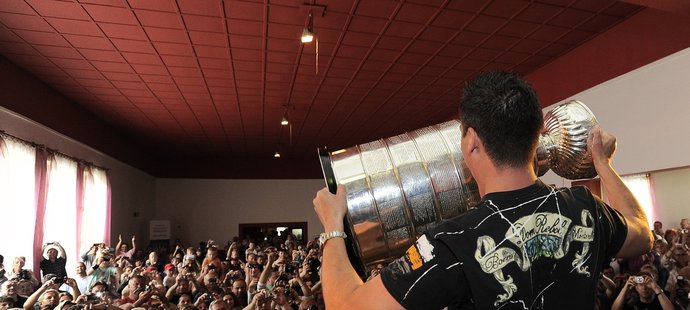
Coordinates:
641	187
70	204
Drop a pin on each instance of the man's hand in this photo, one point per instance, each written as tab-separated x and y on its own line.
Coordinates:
601	145
330	208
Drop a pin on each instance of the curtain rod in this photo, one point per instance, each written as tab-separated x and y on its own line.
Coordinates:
49	150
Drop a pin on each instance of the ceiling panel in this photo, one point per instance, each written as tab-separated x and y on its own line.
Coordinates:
218	76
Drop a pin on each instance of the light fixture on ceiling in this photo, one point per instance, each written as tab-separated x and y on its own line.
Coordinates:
285	121
308	32
276	154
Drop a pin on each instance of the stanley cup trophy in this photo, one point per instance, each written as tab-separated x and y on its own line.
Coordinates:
398	187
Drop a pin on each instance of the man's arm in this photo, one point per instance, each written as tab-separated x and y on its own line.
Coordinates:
639	238
342	287
134	244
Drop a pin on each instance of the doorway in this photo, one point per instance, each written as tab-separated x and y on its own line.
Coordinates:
273	234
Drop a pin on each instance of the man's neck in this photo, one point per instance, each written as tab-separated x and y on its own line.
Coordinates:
505	179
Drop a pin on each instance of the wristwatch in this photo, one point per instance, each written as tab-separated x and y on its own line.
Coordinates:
331	234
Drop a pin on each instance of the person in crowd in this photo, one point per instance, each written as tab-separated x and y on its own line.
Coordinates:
672	237
9	289
45	297
83	280
104	270
123	248
181	287
153	261
674	260
501	121
212	261
6	302
54	260
642	292
21	274
239	288
658	230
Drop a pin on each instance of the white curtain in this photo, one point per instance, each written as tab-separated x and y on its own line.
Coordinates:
641	187
17	201
71	198
60	216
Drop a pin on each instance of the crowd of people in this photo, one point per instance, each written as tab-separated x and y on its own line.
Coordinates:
238	275
659	279
279	276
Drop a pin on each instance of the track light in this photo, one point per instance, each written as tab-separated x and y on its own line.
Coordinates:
276	154
308	32
284	121
307	36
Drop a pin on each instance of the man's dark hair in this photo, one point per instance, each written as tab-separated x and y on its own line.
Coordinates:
505	112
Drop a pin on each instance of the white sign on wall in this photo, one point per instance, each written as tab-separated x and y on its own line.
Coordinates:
159	230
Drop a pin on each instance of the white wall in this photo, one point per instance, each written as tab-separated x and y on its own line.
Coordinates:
132	190
672	195
647	109
203	209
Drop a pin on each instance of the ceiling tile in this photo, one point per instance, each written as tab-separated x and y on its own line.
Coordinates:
505	8
575	37
415	13
159	19
382	8
249	42
289	32
133	46
404	29
367	24
518	29
498	42
166	35
44	38
211	51
214	63
68	26
244	10
245	27
89	42
21	48
111	14
173	49
539	12
67	10
571	18
16	6
124	31
287	15
209	38
28	22
437	34
111	66
393	43
66	63
452	19
151	70
155	5
359	39
204	23
185	72
208	8
469	38
486	24
179	61
101	55
120	76
139	58
59	51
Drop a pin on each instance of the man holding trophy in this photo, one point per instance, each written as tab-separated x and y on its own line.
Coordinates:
524	245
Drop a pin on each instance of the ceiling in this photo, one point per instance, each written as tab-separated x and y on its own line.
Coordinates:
202	86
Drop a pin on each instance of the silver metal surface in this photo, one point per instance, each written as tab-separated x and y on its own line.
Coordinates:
564	140
398	187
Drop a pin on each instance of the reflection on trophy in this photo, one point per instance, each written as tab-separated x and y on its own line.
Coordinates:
398	187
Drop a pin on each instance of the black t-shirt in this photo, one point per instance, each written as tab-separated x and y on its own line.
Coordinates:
57	267
532	248
636	304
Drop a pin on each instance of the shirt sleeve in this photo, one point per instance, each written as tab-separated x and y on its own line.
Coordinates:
427	276
613	225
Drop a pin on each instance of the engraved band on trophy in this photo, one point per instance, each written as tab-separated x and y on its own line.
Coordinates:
398	187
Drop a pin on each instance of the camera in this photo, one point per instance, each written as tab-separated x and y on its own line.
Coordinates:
638	279
24	275
680	282
59	280
211	266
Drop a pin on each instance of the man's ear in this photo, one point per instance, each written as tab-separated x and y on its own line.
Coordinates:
473	141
